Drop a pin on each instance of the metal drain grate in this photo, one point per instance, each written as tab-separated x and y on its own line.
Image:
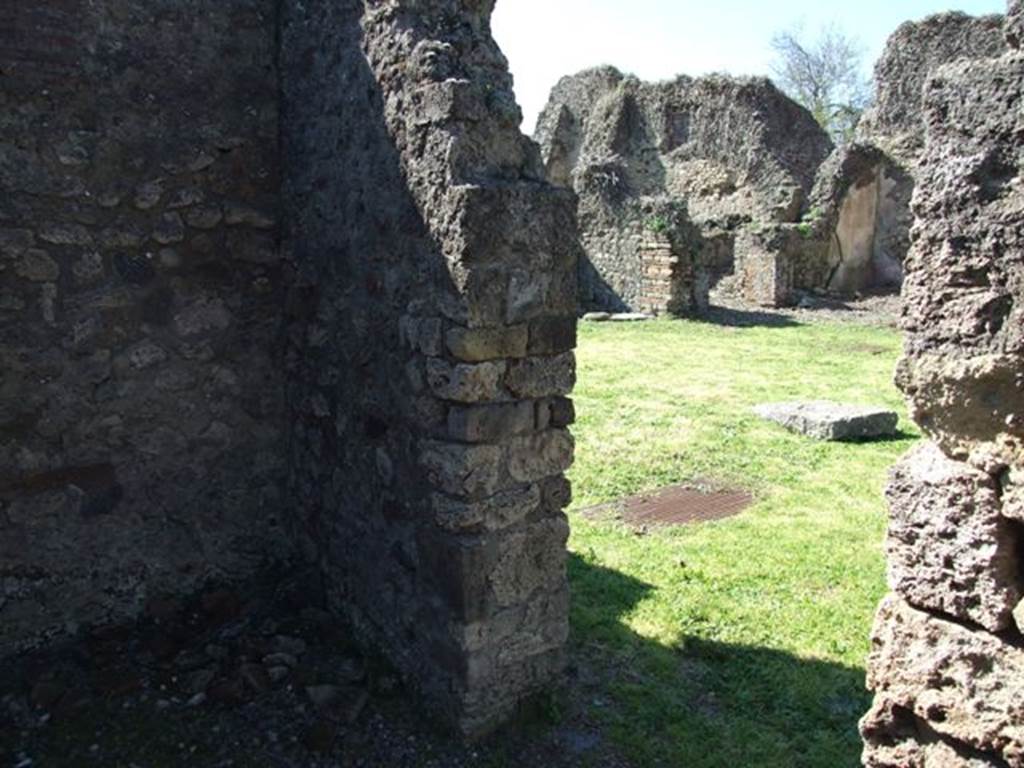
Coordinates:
677	505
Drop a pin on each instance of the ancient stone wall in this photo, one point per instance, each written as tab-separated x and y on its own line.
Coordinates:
141	403
629	242
862	198
947	664
726	154
895	121
430	334
378	384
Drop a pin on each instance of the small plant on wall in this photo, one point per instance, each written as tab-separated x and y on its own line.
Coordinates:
657	224
809	222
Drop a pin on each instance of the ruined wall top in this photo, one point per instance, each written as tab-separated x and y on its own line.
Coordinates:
963	294
730	146
1015	24
894	122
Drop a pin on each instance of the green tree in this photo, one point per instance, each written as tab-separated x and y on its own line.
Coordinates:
824	75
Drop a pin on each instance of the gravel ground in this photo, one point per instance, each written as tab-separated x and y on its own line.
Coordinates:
249	678
881	309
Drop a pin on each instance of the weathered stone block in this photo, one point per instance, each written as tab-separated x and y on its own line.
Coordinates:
942	391
15	241
968	685
59	233
535	457
502	637
895	738
556	494
205	315
458	567
552	335
949	549
237	213
37	266
480	295
523	225
469	383
542	376
205	217
170	229
530	295
480	576
468	471
490	423
495	513
825	420
530	561
476	345
563	412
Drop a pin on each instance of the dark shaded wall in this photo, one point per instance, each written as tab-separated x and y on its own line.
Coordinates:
141	399
430	328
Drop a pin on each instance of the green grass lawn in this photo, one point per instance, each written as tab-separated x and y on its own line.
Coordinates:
737	643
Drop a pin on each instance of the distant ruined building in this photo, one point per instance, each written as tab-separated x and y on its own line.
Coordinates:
725	183
715	171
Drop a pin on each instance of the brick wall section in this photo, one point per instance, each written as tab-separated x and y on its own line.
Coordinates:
947	661
141	403
641	255
431	327
669	281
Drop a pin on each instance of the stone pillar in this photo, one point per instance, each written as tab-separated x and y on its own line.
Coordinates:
433	328
947	663
765	266
660	268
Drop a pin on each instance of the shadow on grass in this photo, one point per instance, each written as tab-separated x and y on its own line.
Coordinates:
746	318
899	436
704	703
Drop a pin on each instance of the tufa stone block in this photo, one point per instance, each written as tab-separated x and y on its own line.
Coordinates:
535	457
949	549
490	423
826	420
542	376
475	345
466	383
468	471
968	685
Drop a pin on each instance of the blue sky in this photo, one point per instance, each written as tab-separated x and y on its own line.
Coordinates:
656	39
